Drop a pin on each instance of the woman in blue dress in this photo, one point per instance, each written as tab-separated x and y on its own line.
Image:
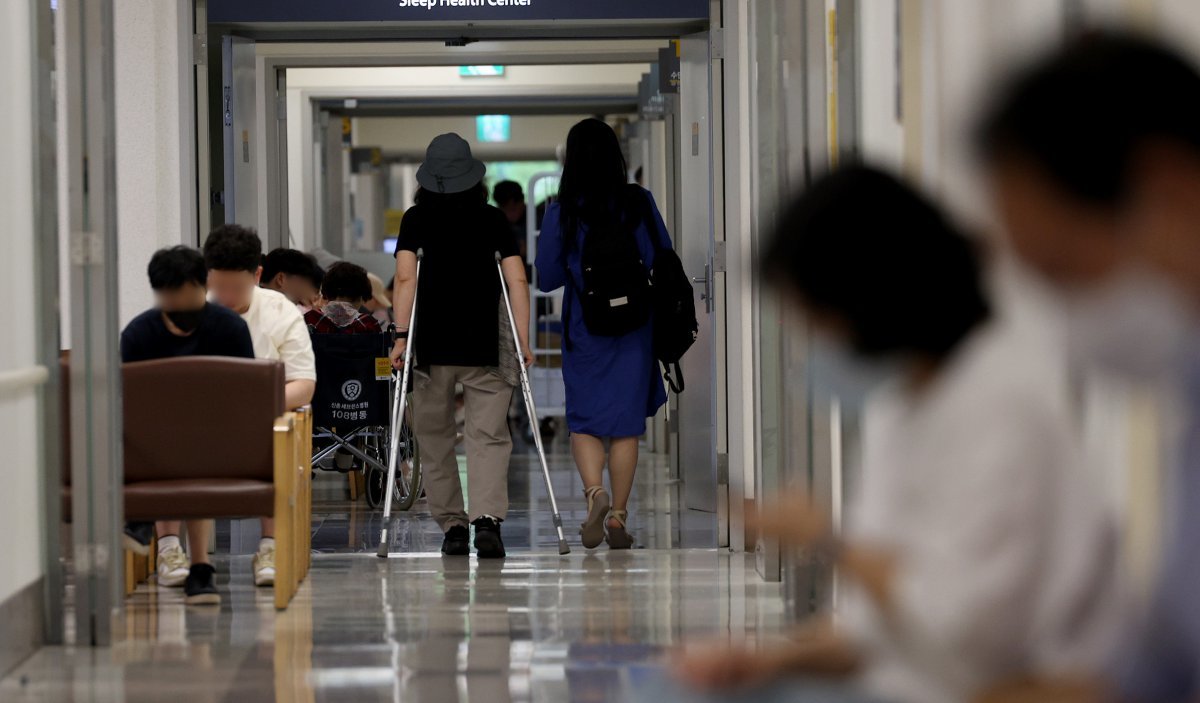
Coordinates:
612	383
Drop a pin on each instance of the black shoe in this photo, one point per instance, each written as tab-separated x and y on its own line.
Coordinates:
138	536
199	589
487	538
457	542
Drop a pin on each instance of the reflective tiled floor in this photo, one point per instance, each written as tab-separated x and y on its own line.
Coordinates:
419	627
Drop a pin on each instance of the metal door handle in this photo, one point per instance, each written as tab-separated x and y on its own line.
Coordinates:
706	296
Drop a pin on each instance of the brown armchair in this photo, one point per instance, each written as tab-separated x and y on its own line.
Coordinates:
208	437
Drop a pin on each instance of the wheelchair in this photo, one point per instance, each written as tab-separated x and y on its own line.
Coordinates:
352	411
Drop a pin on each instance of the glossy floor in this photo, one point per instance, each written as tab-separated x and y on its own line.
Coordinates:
419	627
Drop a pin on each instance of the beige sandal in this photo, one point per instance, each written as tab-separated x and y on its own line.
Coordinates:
592	531
618	537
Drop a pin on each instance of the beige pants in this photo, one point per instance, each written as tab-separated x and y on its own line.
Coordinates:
488	443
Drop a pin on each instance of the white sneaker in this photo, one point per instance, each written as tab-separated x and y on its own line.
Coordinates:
172	567
264	567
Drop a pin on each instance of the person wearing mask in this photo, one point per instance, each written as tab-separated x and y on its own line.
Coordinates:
293	273
458	340
182	323
344	289
234	255
612	382
1093	156
975	543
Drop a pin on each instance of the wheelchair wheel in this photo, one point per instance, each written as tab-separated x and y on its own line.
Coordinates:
407	488
375	478
408	474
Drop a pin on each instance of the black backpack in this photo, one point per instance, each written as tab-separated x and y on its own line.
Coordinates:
615	294
619	295
675	325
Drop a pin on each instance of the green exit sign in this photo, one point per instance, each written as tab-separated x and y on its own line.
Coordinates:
493	129
481	71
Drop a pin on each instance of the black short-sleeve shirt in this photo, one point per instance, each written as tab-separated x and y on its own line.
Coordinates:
222	332
458	297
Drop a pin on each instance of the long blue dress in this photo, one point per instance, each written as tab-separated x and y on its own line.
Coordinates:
612	383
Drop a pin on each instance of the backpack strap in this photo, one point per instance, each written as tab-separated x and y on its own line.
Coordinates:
678	372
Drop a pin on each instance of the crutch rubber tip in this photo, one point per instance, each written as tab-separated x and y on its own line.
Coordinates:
563	548
383	552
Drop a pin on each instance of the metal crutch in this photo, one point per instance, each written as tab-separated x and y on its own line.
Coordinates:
398	405
531	410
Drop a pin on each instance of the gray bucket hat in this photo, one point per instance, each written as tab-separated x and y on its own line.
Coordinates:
449	166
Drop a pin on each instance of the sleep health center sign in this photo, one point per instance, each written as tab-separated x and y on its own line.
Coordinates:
336	11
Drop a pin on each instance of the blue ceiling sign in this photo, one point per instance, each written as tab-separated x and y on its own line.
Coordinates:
265	11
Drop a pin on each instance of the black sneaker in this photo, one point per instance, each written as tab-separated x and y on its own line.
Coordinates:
137	537
457	542
487	538
199	589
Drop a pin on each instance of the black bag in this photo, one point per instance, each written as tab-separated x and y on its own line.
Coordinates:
615	295
675	325
619	294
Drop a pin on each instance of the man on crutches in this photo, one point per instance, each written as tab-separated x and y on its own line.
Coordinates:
455	341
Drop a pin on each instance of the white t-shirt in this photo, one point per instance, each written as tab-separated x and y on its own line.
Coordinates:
278	331
1006	553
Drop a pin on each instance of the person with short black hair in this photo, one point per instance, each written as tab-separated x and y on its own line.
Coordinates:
510	198
975	539
182	323
295	274
234	257
1093	156
344	290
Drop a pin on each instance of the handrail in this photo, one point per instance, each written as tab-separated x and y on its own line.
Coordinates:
12	382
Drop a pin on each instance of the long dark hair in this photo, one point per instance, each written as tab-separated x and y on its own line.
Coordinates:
594	188
473	196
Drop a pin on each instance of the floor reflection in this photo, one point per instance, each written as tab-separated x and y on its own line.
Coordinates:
420	627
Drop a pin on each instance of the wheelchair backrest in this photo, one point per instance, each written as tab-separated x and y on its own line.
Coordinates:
353	375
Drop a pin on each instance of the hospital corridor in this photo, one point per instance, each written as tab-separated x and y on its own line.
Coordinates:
581	351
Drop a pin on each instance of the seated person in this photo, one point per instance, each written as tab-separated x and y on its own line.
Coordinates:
182	324
379	305
234	258
344	292
295	274
974	546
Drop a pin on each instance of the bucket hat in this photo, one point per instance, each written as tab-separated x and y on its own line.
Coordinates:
449	166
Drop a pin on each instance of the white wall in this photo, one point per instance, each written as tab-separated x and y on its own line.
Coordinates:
20	502
302	83
882	135
151	163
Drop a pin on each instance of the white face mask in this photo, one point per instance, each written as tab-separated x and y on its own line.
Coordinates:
838	372
1134	324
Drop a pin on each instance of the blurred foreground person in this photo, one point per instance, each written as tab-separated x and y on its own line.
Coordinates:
1094	156
974	546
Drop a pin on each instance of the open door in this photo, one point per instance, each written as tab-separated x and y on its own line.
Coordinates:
697	411
254	118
